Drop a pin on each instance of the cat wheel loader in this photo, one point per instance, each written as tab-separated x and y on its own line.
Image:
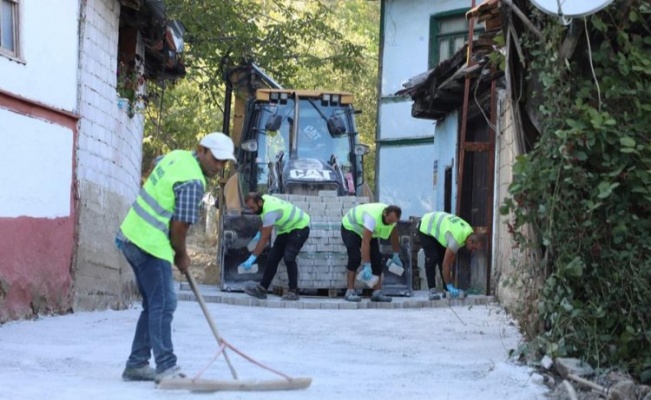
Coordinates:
301	146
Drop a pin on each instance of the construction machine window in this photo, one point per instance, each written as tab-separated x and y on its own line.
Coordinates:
273	144
313	138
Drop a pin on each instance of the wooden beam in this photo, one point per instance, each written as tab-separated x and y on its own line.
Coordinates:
524	19
209	385
477	146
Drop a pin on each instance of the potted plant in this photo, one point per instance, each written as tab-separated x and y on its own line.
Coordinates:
129	81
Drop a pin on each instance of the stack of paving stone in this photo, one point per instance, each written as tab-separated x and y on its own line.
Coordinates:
322	260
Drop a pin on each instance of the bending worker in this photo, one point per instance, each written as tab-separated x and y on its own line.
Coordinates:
361	228
442	235
292	230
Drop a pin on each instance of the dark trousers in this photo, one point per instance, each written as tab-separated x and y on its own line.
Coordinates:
434	253
154	328
353	243
285	247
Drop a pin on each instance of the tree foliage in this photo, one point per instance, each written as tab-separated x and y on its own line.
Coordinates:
585	189
320	44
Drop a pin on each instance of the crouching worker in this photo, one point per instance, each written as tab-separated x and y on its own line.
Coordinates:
361	229
442	235
152	238
292	230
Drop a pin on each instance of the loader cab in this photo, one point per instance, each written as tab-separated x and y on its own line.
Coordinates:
306	141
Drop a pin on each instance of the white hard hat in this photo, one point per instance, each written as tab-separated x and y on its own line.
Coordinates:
220	145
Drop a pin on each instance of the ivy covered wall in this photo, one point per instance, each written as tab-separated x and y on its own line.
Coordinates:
585	187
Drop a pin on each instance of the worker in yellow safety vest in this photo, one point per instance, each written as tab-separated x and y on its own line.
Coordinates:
362	227
152	237
442	235
292	230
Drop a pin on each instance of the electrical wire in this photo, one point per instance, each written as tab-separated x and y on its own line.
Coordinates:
594	75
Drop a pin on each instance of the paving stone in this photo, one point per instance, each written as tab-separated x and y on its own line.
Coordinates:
328	193
276	304
347	305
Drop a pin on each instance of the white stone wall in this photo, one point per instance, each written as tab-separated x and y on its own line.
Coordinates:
404	55
406	38
110	143
42	151
506	278
46	69
45	72
109	158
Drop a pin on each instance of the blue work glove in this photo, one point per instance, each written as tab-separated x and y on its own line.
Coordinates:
454	292
249	262
396	259
366	271
254	242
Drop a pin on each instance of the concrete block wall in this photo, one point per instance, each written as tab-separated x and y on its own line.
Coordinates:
109	155
322	260
505	257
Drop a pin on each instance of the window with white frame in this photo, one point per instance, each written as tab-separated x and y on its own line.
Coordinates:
9	27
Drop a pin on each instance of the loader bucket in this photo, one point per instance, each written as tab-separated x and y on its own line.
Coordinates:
238	230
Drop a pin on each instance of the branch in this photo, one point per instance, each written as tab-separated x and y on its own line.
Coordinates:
600	389
524	19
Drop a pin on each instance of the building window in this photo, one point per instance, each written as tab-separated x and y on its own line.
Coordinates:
448	32
9	27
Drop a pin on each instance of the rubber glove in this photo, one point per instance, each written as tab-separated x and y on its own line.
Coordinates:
396	259
454	292
366	271
254	242
249	262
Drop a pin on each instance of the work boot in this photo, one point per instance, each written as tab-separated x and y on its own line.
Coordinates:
433	294
378	296
351	295
290	296
171	373
256	291
144	373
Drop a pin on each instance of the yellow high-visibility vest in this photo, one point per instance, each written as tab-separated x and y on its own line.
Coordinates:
147	223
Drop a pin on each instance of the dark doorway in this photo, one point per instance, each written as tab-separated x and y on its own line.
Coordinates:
447	190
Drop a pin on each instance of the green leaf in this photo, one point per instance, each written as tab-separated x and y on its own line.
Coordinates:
616	172
599	24
575	267
605	189
645	376
627	141
515	187
580	155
